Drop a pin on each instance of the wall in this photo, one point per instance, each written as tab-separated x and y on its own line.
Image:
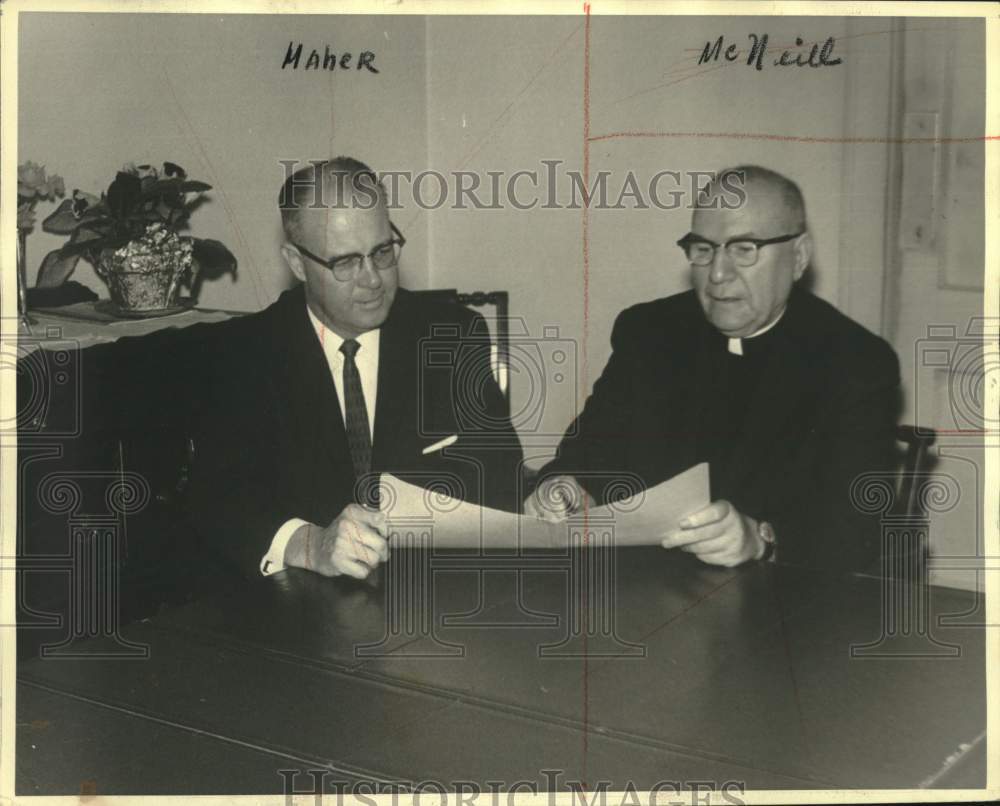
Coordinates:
935	300
208	93
504	93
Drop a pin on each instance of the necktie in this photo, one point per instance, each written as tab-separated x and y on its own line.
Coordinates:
356	414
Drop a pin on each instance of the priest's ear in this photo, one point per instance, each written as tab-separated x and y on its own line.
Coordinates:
294	261
803	254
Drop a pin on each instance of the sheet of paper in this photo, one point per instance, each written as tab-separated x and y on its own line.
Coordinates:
645	518
418	516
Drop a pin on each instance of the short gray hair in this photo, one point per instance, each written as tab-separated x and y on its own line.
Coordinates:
746	175
311	187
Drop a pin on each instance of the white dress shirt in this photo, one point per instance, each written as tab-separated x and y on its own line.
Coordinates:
366	360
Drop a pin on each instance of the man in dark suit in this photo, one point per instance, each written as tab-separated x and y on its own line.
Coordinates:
345	376
252	439
785	397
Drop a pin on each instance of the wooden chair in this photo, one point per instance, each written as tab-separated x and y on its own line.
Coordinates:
478	299
917	459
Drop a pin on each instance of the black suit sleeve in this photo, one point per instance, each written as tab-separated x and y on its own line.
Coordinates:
238	495
594	447
237	499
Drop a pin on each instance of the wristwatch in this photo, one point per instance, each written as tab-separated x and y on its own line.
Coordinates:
766	533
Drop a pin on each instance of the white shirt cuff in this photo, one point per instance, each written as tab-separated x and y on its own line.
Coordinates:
274	560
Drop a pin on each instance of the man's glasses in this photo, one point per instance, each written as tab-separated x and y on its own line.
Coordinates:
742	251
347	267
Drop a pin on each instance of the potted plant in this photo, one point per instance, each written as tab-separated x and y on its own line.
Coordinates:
131	235
33	185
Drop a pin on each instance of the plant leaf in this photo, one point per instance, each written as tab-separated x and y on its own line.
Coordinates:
61	221
55	269
161	187
194	186
85	239
92	228
214	259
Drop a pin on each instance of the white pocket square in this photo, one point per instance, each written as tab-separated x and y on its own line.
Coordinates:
441	444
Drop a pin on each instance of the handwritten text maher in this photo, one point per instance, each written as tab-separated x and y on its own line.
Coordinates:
328	60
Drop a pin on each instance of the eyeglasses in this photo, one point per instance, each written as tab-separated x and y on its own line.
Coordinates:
347	267
742	251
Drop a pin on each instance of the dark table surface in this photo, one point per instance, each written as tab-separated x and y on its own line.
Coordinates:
454	668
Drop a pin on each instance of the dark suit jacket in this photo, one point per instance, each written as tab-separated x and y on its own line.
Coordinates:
822	412
269	437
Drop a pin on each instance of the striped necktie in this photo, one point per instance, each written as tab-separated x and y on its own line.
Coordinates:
359	438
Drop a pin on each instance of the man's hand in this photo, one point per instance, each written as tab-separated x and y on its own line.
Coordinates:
556	498
718	534
353	544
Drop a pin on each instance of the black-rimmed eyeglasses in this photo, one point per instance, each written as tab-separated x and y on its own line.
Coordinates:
742	251
347	267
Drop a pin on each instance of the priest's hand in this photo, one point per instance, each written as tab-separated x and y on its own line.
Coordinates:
556	498
719	534
353	544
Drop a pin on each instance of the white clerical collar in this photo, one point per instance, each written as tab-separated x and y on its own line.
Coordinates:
736	345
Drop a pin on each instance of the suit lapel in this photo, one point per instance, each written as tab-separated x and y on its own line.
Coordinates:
706	367
310	398
692	391
396	406
770	420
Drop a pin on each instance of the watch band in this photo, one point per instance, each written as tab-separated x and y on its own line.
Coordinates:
766	533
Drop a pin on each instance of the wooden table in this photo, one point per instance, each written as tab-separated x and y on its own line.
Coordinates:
492	669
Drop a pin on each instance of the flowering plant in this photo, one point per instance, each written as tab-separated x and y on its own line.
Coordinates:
135	223
33	186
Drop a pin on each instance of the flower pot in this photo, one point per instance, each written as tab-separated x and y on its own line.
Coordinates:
143	291
145	274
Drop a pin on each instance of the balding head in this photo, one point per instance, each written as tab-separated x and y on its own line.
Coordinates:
764	187
332	184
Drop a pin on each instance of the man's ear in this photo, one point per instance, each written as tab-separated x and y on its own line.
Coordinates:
294	261
803	254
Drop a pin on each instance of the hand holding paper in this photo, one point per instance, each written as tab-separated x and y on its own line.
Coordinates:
557	498
353	544
719	534
642	519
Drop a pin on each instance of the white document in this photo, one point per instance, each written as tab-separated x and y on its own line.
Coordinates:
645	518
417	516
